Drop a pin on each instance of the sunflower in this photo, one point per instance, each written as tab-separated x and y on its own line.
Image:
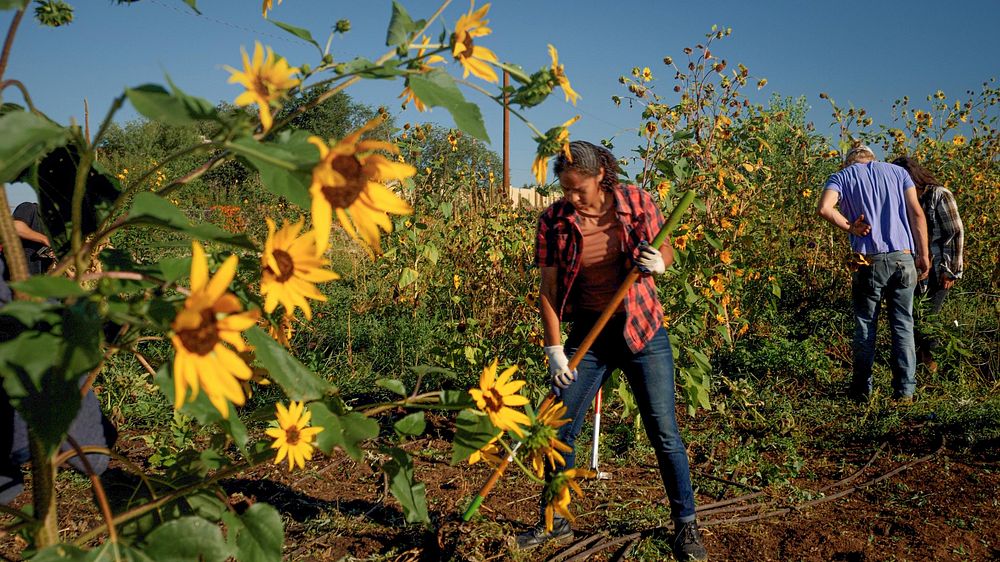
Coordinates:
424	65
496	395
211	318
556	139
560	73
489	452
348	181
267	80
290	267
557	496
473	58
267	6
293	438
542	442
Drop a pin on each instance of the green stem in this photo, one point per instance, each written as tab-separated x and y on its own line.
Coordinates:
24	93
9	41
43	492
79	190
16	261
513	456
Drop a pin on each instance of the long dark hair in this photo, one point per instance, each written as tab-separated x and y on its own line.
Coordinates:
588	159
921	177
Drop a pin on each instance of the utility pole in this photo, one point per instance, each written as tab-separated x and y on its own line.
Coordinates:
505	191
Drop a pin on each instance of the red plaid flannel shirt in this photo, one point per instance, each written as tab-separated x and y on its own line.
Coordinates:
558	244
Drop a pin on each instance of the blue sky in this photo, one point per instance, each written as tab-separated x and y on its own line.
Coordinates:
868	54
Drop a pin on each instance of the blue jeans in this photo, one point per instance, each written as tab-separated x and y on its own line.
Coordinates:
650	374
893	276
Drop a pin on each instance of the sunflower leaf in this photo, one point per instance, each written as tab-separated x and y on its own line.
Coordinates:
411	494
282	165
50	287
437	88
187	538
261	535
472	432
177	108
26	138
302	34
413	424
298	382
401	26
345	431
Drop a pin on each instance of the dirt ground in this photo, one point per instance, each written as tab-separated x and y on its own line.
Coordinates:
943	506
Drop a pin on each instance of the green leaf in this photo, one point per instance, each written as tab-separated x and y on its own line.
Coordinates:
472	431
172	108
50	287
193	6
408	277
151	209
44	386
262	534
401	27
395	385
437	88
298	382
456	399
116	552
368	69
432	253
411	495
302	34
413	424
187	539
60	553
345	431
26	138
284	166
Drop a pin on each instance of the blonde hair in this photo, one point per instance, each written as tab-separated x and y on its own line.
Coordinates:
858	155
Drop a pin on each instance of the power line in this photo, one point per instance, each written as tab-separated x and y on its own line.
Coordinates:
202	16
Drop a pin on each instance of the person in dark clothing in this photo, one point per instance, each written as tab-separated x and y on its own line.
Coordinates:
90	427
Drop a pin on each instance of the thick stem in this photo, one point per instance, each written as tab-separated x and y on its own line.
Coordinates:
13	250
76	212
11	31
43	491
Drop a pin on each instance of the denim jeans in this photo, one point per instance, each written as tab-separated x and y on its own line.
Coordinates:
893	276
650	374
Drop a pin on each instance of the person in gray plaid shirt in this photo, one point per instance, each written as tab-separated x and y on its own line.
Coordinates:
947	238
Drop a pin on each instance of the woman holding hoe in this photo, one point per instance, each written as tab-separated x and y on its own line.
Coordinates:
586	243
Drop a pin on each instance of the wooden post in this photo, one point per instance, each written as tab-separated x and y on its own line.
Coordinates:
506	135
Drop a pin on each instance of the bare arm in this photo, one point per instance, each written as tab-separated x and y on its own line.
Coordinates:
918	225
548	294
827	209
25	232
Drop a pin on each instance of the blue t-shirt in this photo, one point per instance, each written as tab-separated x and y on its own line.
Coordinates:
875	189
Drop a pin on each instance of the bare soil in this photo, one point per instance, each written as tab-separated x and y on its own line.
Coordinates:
945	508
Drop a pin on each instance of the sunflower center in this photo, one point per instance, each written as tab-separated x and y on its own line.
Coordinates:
342	196
292	435
201	340
467	42
286	267
494	400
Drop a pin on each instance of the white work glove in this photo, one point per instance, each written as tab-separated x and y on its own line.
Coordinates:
562	377
650	260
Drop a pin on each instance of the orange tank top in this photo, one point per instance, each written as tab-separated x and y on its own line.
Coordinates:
602	261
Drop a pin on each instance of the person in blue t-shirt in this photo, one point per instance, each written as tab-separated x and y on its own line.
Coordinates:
879	209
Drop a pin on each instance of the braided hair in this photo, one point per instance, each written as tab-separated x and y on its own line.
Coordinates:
588	159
